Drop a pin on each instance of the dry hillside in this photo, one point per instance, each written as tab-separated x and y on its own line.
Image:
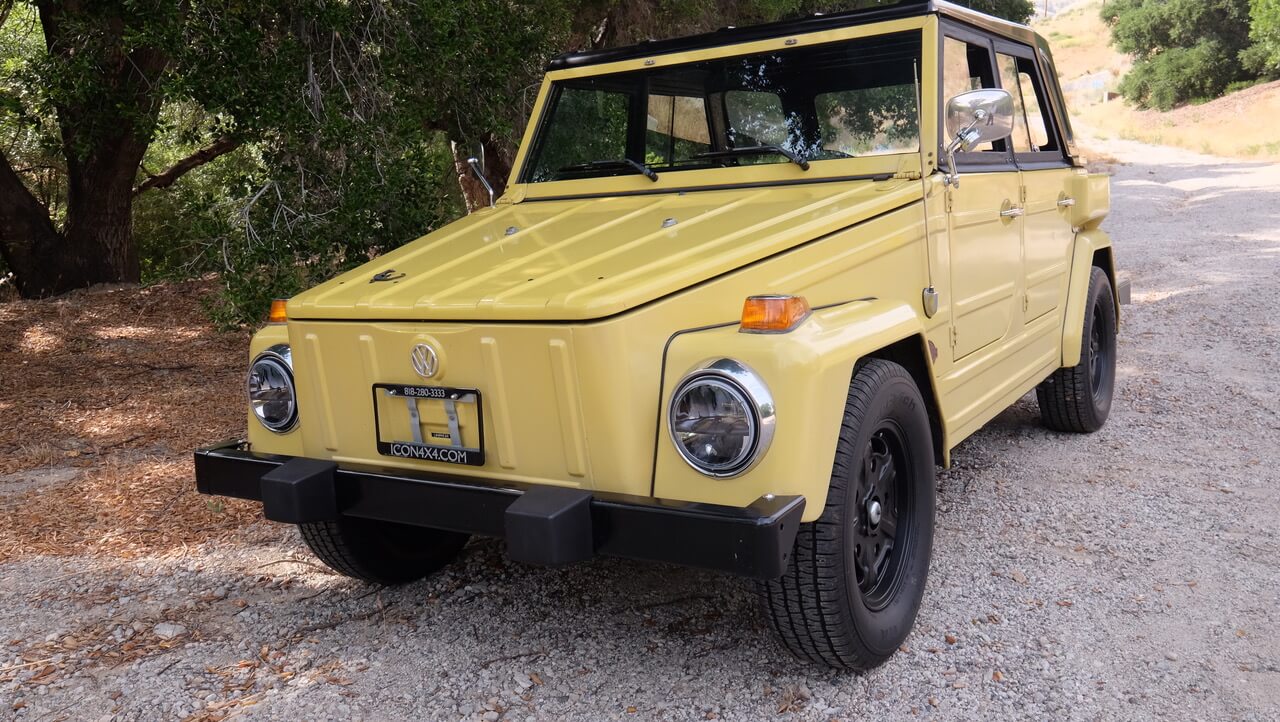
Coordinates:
1238	125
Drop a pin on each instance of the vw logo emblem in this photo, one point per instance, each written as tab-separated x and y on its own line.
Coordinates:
425	361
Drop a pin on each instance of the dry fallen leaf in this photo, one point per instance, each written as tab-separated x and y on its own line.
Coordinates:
950	638
533	677
631	710
1065	603
1018	577
997	676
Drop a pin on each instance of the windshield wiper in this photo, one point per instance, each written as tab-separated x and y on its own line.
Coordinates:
640	168
757	150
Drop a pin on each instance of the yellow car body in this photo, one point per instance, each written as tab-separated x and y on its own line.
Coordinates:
743	292
576	306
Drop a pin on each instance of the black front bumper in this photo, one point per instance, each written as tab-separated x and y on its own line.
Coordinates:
541	524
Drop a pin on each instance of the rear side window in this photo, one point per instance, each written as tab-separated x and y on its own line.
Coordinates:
1034	136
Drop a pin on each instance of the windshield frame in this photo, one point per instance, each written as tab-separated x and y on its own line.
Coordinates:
782	173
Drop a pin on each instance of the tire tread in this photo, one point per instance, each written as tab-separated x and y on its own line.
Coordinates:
806	605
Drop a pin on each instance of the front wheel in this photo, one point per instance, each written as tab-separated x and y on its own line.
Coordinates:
850	596
1079	398
381	552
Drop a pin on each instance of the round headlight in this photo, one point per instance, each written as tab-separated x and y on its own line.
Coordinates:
721	419
271	391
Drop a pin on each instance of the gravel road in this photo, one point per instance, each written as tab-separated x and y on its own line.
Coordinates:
1131	574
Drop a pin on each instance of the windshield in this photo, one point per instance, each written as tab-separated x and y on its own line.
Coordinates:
838	100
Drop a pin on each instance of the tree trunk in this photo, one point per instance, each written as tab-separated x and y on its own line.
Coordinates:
497	168
104	136
30	245
96	244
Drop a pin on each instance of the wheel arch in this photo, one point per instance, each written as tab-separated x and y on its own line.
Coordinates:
808	372
1092	250
912	354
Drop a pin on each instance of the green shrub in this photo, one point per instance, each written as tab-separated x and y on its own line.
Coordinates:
1183	50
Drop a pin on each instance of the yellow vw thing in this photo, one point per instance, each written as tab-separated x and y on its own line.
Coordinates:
744	292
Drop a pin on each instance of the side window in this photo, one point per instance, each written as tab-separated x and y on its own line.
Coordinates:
1010	81
1036	117
676	129
1031	133
967	66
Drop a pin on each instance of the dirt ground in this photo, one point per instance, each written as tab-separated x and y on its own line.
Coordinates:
1130	574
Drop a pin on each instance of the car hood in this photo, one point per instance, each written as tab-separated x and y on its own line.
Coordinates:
588	258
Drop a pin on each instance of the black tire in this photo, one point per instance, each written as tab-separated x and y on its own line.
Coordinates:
827	608
381	552
1078	398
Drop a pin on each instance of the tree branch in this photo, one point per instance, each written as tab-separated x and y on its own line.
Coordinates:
221	146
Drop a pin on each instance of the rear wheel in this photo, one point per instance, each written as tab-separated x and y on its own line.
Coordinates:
851	593
381	552
1079	398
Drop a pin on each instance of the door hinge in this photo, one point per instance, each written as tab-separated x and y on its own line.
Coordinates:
1026	302
954	337
948	194
1023	196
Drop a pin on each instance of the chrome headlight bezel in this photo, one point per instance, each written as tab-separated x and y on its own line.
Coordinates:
279	358
750	390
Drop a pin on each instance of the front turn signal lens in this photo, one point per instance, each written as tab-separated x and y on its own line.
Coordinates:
279	312
773	314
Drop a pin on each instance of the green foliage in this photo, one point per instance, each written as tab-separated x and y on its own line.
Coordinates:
28	135
344	113
1264	57
1183	50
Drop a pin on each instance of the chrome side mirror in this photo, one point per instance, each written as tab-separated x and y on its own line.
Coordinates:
974	118
475	168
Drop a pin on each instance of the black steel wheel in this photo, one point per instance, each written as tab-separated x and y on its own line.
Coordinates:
876	516
1078	398
852	590
381	552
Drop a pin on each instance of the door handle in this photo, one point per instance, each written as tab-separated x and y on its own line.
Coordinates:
1066	202
1014	212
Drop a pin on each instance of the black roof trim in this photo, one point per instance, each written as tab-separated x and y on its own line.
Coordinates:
813	23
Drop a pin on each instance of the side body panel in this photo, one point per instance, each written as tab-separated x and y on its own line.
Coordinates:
985	260
1046	240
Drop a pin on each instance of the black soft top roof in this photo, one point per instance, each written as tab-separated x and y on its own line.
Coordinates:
814	23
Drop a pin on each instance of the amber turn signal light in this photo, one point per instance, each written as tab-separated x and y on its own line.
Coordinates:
278	314
773	314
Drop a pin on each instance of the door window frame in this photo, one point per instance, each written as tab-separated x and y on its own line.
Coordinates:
983	161
1036	159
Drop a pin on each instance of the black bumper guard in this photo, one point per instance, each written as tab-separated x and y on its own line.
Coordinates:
545	525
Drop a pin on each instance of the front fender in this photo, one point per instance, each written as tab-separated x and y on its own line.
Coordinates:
807	372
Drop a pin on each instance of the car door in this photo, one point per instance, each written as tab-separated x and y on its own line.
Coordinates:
1046	176
984	214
